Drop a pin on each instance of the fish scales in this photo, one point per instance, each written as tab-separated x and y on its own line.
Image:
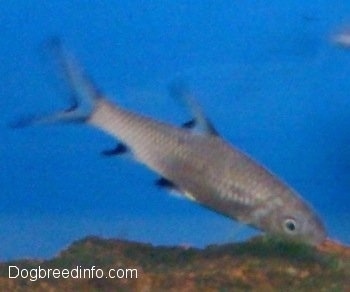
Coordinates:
214	173
201	165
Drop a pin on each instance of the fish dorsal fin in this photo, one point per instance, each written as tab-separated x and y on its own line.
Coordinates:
198	126
200	122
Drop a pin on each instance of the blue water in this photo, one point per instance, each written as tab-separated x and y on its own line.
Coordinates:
266	74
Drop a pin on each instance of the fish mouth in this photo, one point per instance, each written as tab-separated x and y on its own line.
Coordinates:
318	233
319	239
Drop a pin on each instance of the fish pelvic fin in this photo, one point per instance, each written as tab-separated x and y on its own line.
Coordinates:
167	184
83	91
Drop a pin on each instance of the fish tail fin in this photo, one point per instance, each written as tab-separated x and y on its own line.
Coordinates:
84	92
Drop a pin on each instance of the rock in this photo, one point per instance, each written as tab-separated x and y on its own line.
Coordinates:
260	264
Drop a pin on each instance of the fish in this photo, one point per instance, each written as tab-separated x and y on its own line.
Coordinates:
199	164
341	38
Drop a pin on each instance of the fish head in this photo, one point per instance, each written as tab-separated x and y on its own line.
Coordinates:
294	220
306	227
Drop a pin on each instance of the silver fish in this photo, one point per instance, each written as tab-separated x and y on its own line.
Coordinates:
201	165
341	38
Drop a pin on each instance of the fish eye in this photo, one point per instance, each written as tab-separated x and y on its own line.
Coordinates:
290	225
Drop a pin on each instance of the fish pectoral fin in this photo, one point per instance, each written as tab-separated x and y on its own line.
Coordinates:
188	196
200	122
120	149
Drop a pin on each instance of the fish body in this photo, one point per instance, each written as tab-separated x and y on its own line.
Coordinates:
214	173
202	166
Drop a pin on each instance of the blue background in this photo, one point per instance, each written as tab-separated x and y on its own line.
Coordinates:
266	74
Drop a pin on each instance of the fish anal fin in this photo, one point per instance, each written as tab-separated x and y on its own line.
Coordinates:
118	150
